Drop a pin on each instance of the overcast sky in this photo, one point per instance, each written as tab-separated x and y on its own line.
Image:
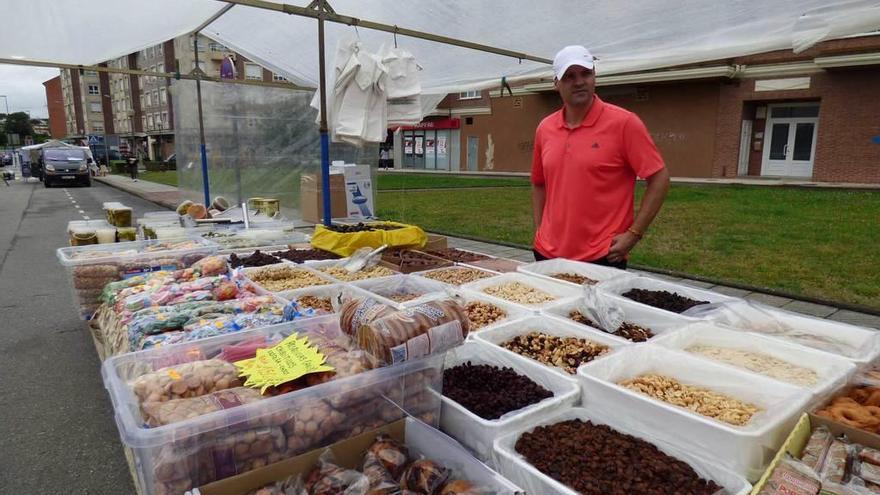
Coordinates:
24	88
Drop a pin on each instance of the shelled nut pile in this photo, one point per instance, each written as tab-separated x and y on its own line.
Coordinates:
758	362
340	273
457	275
563	352
278	278
699	400
575	278
482	314
519	292
316	303
627	330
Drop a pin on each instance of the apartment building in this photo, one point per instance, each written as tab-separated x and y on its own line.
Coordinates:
55	105
83	103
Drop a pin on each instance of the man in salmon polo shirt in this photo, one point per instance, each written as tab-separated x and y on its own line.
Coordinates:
586	160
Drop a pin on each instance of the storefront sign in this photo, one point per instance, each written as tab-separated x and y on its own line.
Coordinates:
420	145
429	146
408	146
434	124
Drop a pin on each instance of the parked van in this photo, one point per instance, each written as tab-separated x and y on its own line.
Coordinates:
63	166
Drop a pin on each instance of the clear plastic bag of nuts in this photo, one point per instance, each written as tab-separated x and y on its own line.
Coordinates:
186	380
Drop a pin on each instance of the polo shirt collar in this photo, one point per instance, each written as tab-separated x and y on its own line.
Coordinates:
591	118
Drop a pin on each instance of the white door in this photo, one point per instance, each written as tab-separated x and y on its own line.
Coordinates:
790	140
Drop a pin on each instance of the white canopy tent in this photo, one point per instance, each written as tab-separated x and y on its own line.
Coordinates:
626	35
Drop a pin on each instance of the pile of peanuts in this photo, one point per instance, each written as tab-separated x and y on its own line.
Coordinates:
457	275
519	293
697	399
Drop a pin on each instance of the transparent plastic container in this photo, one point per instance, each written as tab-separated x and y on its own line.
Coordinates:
403	291
513	466
658	321
479	434
300	276
117	214
340	276
88	232
550	325
557	290
548	268
90	268
332	292
176	457
271	234
745	449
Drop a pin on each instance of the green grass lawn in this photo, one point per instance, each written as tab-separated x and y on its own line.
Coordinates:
821	243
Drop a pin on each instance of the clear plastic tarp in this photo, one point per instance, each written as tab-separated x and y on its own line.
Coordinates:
261	142
626	35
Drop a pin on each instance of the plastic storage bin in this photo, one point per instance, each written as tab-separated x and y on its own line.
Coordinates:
333	292
858	344
550	325
514	467
286	266
556	289
117	214
451	270
388	290
176	457
324	265
832	372
744	449
548	268
90	268
273	235
479	434
512	311
658	321
617	287
87	232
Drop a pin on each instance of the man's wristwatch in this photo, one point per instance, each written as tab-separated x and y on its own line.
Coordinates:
635	232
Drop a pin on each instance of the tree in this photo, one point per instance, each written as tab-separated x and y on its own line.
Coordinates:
19	123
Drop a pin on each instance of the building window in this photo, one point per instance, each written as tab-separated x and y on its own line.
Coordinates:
93	89
164	120
150	121
159	49
469	95
142	101
160	68
95	106
278	77
253	72
156	97
148	52
97	128
149	100
162	95
90	73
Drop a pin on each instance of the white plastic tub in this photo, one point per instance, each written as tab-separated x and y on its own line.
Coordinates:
550	325
659	322
325	264
348	405
513	311
426	273
286	265
332	292
514	467
616	288
555	289
385	288
832	371
744	449
478	434
548	268
858	344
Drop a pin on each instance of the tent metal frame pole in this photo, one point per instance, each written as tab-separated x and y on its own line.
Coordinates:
329	15
192	76
203	152
323	129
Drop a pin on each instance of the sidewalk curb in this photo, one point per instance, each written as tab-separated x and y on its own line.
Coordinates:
133	192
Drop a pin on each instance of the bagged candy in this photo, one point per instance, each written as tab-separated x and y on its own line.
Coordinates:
834	468
390	453
176	410
791	477
381	481
329	479
424	477
816	448
191	379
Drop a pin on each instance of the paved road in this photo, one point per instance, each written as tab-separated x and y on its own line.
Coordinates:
57	429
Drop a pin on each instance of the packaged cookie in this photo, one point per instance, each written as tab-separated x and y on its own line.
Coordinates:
327	478
816	448
791	477
834	468
186	380
381	481
424	477
390	453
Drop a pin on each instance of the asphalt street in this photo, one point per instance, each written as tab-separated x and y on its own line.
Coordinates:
57	429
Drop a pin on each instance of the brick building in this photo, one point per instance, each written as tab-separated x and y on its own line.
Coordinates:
55	104
813	115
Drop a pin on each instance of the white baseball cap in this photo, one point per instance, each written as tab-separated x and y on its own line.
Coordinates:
571	55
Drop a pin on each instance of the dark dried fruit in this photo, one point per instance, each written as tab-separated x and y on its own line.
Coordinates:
362	227
575	278
597	460
489	391
300	255
670	301
255	259
457	255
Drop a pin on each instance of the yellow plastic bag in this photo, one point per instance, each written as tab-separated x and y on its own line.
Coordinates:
407	236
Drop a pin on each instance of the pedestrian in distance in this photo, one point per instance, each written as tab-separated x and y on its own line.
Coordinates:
586	159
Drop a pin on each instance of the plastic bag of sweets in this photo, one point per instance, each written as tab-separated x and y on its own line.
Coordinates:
817	446
328	478
175	410
360	312
191	379
836	463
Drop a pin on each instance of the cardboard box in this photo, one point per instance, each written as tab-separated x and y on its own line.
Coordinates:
312	197
435	242
420	439
798	437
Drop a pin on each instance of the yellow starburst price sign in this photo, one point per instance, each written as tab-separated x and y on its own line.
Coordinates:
290	359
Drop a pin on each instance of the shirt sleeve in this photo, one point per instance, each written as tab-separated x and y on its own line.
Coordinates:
537	161
641	152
